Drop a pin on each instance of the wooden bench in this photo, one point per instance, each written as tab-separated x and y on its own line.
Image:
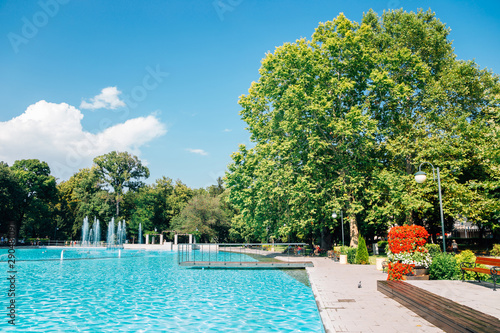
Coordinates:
446	314
473	267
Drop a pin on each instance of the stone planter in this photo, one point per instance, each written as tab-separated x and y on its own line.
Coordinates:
378	263
343	259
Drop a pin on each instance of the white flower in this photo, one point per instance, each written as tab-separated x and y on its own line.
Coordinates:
419	259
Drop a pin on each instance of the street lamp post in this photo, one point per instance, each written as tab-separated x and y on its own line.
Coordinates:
420	177
334	215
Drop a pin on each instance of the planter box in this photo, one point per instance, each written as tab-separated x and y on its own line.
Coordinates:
420	274
416	277
343	259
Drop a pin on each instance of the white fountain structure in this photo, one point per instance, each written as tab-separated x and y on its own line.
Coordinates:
91	237
116	240
85	231
140	233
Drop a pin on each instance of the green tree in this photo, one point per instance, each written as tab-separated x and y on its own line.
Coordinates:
343	121
120	171
154	206
33	215
203	216
215	190
83	196
11	197
362	257
313	138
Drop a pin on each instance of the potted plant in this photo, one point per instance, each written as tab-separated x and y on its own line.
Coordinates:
343	254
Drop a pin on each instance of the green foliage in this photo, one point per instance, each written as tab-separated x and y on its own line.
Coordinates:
351	255
444	267
468	256
11	196
344	249
120	170
39	195
343	120
204	217
362	257
383	246
434	249
496	250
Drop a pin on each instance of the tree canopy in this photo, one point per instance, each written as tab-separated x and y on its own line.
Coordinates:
342	121
120	171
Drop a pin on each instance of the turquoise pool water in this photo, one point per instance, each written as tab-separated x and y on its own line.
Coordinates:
147	292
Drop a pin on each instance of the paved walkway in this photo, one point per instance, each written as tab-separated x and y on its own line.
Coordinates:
344	307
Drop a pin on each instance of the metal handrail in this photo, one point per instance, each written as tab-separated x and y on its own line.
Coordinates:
188	252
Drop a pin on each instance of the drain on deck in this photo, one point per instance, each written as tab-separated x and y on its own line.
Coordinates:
347	300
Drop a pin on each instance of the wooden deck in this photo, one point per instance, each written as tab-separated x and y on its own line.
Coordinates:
246	264
442	312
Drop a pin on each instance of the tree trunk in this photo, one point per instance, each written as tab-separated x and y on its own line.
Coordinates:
326	239
117	206
409	218
353	230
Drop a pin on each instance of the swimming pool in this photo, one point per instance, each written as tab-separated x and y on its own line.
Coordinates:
146	291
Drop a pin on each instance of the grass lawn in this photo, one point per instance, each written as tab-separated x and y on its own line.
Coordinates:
373	258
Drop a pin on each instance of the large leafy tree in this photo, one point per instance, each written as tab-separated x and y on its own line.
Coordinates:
430	107
154	206
11	197
83	196
121	171
307	116
205	217
342	122
33	215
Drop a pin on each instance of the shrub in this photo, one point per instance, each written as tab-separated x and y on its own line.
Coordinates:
444	267
344	249
434	249
496	250
362	256
468	256
351	255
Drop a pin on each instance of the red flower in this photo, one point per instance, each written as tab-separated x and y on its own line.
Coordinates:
405	239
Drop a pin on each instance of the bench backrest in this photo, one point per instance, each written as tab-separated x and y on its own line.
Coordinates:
488	261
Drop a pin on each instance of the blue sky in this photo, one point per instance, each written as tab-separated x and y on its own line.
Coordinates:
161	79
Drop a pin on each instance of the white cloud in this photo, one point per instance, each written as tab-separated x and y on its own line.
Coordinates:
107	99
227	130
53	133
197	151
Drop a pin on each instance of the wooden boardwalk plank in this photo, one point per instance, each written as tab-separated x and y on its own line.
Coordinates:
247	264
442	312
